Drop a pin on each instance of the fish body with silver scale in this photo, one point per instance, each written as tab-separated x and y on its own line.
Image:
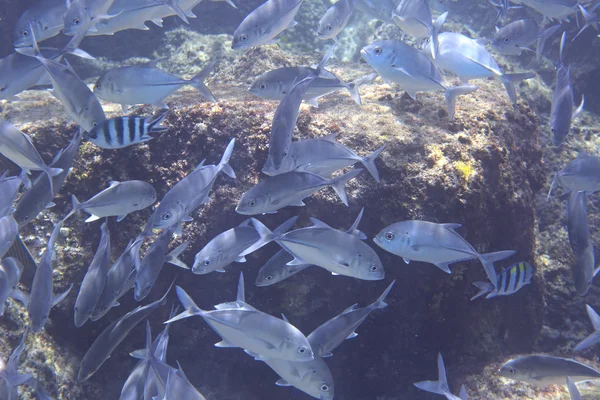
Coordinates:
46	19
335	19
10	273
509	281
517	36
120	132
10	377
581	244
414	18
542	371
8	233
83	15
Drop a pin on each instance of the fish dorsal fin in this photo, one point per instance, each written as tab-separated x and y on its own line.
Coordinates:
351	308
330	137
283	317
451	226
152	64
200	165
354	228
246	223
241	295
113	183
319	224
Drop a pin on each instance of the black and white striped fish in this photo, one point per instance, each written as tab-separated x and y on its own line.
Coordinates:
119	132
510	281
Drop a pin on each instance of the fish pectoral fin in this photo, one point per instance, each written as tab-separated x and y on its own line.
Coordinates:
57	298
334	274
121	217
225	343
326	355
406	260
282	382
50	205
296	261
451	226
220	270
187	219
319	224
444	267
404	71
352	335
292	24
298	203
115	304
492	70
240	259
92	218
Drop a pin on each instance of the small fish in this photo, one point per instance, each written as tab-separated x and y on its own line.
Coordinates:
112	336
275	84
45	17
517	36
509	281
94	280
335	19
119	199
10	377
286	115
543	371
594	338
276	269
323	156
581	174
329	335
559	10
151	265
146	84
441	385
8	233
580	241
414	18
10	273
438	244
469	59
267	21
18	148
252	330
338	252
289	189
188	194
573	392
78	100
120	132
9	188
561	112
41	194
83	15
398	62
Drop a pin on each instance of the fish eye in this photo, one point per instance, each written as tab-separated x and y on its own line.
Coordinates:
389	235
324	388
329	27
76	21
243	38
302	350
45	316
377	50
506	40
510	370
262	86
269	278
207	262
166	216
285	153
2	88
95	124
252	203
374	268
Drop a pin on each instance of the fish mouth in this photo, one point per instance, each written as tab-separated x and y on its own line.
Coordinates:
377	241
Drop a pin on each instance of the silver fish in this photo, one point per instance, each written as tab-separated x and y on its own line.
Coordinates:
254	331
119	279
441	385
145	84
590	19
286	115
323	156
381	10
414	18
225	248
275	84
83	15
267	21
581	244
120	132
559	10
509	281
17	147
469	59
10	273
45	18
112	336
179	387
188	194
151	265
338	252
41	194
80	103
94	280
400	63
517	36
561	112
335	19
580	174
543	371
289	189
119	199
8	233
9	188
329	335
438	244
10	377
594	338
42	297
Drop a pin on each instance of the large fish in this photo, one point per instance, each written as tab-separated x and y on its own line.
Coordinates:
188	194
594	338
414	18
559	10
119	199
10	273
543	371
580	174
517	36
441	385
252	330
146	84
120	132
10	377
267	21
94	280
563	103
45	18
41	194
329	335
438	244
581	243
322	156
151	265
400	63
277	83
17	147
112	336
335	19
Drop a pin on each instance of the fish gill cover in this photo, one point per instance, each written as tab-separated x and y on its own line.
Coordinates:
164	129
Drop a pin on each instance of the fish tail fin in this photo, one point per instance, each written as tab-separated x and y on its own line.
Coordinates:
579	109
198	81
320	70
224	163
488	260
353	86
439	386
539	51
508	80
338	183
369	162
172	257
590	20
435	30
190	308
266	235
380	302
75	205
50	172
154	126
73	48
484	288
452	93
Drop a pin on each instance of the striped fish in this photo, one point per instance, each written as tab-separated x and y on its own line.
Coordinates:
510	281
119	132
